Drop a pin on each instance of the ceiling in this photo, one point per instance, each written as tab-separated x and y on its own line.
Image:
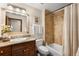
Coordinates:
48	6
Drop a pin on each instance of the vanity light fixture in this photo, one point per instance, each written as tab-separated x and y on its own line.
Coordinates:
16	10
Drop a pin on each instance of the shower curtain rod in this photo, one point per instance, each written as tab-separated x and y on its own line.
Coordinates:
62	7
59	9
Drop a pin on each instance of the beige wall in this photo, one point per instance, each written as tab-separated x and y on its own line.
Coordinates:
43	23
2	18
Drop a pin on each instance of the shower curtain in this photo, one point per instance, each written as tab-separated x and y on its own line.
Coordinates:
71	29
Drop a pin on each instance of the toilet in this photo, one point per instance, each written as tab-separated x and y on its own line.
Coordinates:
41	48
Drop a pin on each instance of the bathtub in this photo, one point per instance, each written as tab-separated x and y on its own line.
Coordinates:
55	49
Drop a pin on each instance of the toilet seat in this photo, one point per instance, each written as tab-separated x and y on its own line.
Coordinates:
43	50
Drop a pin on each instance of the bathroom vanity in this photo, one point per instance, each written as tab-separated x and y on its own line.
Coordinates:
14	47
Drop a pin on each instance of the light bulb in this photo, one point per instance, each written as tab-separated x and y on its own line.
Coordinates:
23	11
17	9
10	7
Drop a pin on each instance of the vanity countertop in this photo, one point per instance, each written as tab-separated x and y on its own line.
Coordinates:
16	41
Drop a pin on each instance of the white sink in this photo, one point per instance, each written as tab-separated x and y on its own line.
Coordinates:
18	40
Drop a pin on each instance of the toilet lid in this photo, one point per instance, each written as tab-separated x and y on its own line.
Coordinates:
43	48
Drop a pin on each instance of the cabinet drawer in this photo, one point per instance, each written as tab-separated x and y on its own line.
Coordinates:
5	51
30	44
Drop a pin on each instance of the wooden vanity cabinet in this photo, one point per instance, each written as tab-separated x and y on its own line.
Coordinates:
5	51
21	49
24	49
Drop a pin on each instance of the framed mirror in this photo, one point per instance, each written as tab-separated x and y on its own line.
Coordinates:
16	24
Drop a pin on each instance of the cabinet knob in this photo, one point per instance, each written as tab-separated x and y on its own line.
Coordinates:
27	49
1	51
24	50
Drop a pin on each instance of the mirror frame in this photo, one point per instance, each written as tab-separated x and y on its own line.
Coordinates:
7	22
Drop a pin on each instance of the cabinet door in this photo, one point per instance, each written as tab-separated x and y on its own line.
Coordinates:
5	51
18	50
30	49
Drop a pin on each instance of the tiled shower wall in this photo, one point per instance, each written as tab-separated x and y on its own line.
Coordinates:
54	27
58	27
